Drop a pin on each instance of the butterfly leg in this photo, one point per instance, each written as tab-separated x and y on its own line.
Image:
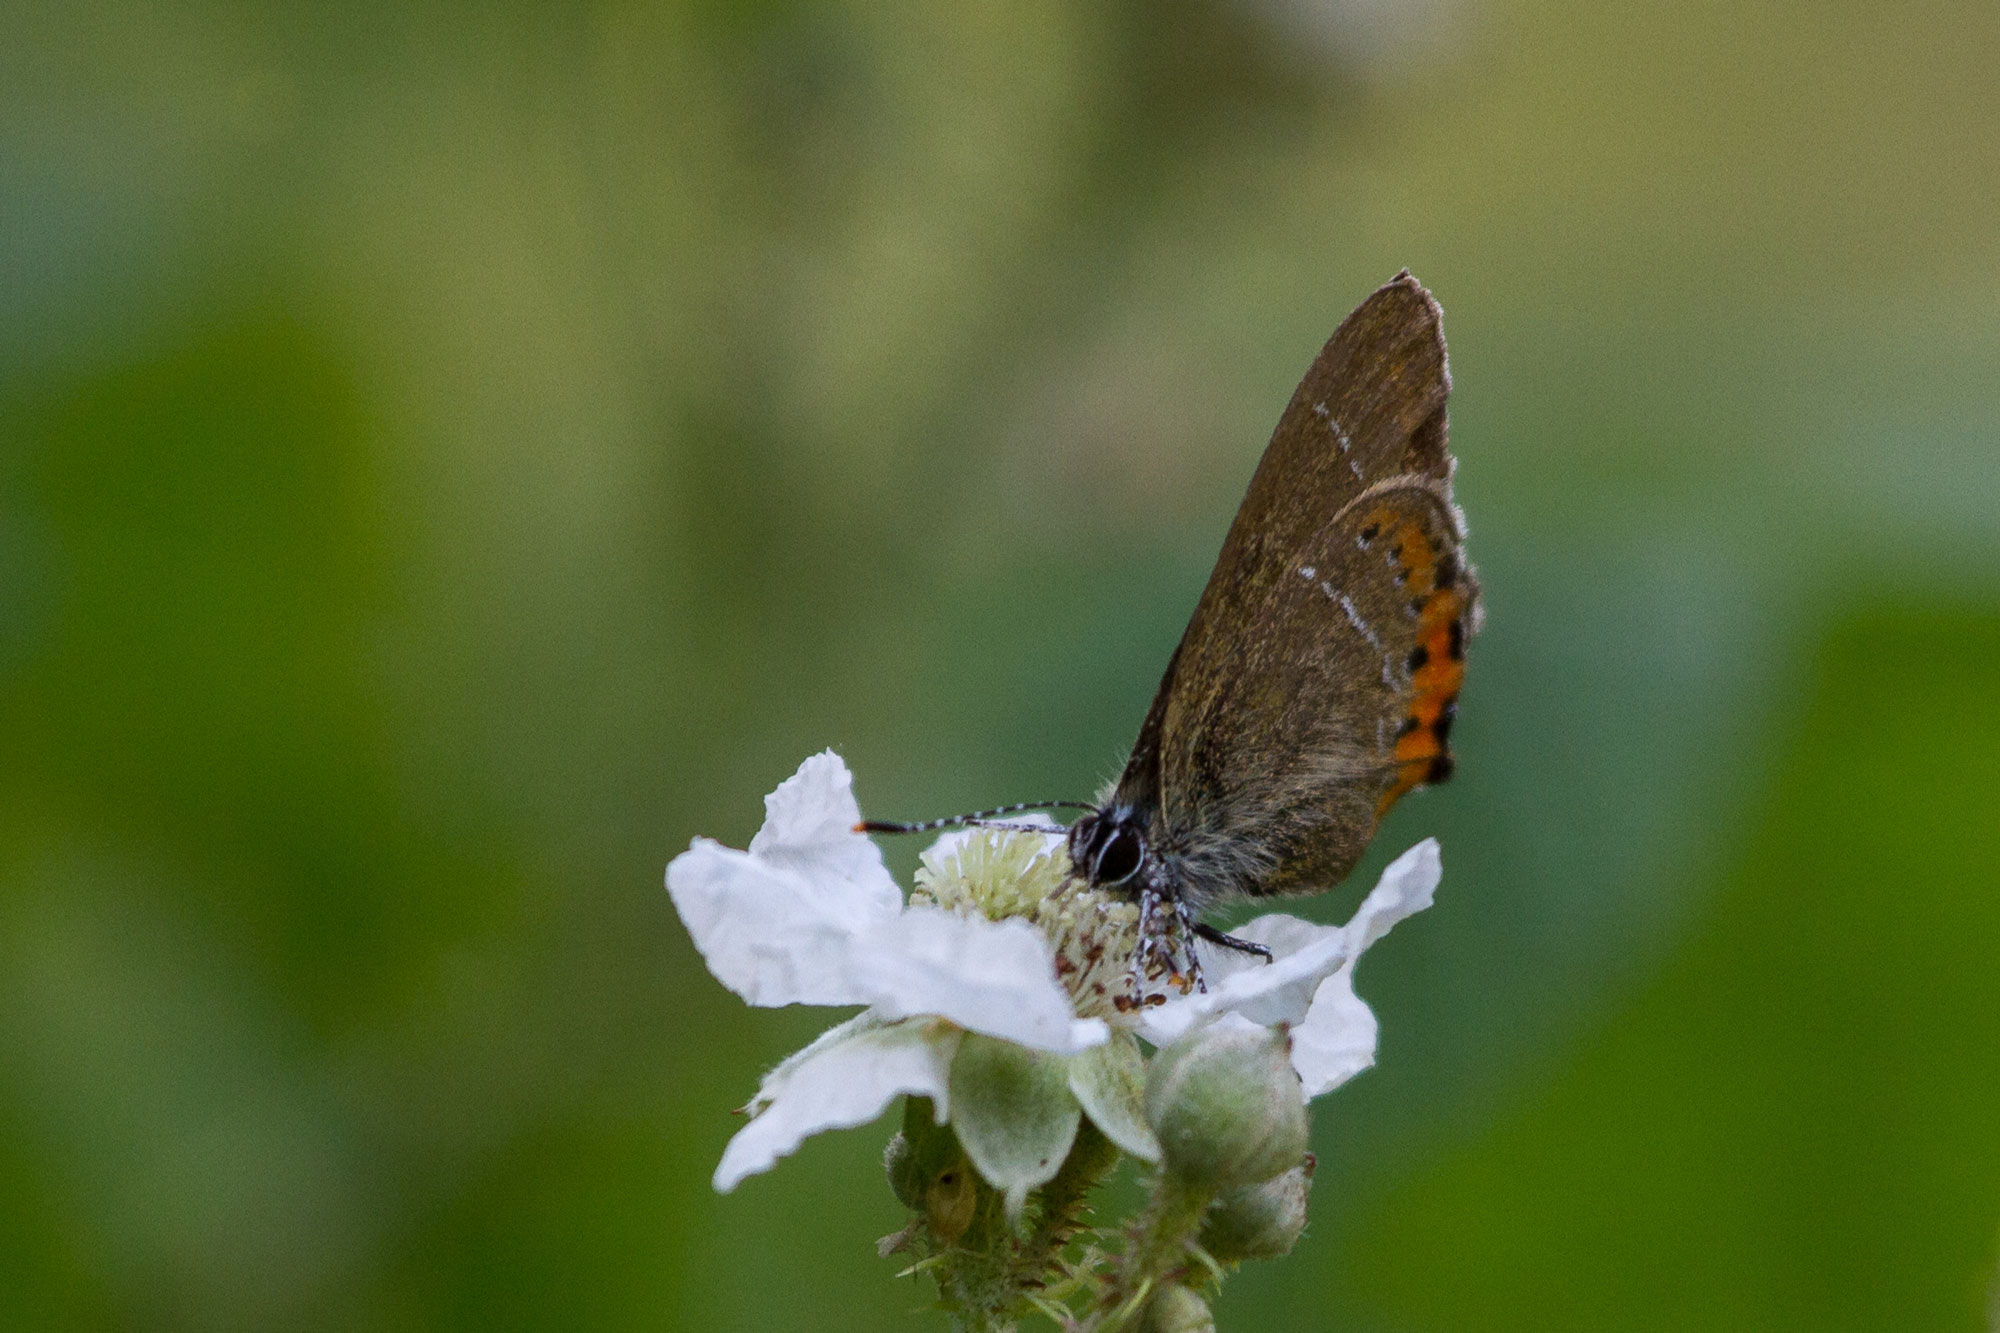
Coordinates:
1162	930
1214	936
1189	927
1149	932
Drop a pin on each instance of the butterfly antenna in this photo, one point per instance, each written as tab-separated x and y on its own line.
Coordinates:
977	818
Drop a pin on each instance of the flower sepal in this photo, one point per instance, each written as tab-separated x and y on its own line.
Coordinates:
1109	1082
1175	1309
1013	1113
1259	1221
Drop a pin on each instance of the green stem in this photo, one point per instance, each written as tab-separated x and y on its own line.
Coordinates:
1158	1251
987	1276
974	1282
1062	1203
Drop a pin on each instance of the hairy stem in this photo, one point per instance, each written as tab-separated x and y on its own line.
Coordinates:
1062	1203
975	1282
1158	1251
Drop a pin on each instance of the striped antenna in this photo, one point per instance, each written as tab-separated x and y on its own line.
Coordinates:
977	818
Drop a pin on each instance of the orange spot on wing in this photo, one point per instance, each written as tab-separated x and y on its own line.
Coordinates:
1437	668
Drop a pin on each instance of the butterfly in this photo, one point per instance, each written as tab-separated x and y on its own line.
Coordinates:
1317	681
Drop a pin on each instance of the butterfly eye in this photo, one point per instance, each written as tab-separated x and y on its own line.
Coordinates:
1123	852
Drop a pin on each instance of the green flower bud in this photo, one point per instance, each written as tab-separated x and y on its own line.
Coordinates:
1177	1310
1259	1221
1226	1106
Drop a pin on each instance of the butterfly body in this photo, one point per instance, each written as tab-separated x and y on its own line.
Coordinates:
1318	677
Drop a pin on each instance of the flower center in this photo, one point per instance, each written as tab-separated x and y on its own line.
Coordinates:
1093	932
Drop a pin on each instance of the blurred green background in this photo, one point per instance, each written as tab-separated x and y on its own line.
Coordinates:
451	455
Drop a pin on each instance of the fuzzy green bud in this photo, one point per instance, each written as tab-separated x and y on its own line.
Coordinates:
1226	1105
1177	1310
1259	1221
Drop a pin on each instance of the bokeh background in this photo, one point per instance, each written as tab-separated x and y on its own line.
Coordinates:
452	455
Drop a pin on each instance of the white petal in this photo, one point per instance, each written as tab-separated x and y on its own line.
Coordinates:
776	924
1406	888
767	934
1304	955
1279	991
809	829
839	1084
1283	935
996	977
774	1082
1337	1039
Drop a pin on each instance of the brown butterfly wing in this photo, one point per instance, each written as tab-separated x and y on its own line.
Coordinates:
1316	681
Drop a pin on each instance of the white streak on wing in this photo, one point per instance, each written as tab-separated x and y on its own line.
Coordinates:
1354	616
1340	438
1308	573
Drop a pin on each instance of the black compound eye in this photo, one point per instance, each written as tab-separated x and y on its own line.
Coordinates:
1119	858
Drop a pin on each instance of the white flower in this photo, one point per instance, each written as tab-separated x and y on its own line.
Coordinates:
809	915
